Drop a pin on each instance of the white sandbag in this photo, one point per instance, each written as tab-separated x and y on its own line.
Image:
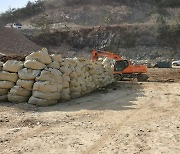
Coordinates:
41	56
56	57
6	84
47	87
65	94
6	76
27	84
28	74
3	91
41	102
34	64
16	98
54	64
48	96
3	98
12	65
50	74
18	90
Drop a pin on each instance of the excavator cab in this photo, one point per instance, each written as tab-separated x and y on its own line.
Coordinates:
120	65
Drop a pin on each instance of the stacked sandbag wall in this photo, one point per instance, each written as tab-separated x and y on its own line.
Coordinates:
44	79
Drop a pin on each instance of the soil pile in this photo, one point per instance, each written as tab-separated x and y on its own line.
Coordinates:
14	42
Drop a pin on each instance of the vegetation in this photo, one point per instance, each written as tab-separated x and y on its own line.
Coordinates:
43	23
168	33
31	9
168	3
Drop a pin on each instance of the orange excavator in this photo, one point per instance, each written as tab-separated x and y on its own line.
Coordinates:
122	68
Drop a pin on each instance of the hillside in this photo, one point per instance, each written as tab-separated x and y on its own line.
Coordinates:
137	29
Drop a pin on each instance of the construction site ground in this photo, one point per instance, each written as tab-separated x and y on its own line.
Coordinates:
125	117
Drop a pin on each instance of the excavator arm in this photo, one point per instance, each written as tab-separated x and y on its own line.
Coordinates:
96	54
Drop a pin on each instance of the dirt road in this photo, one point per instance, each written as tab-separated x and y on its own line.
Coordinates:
126	117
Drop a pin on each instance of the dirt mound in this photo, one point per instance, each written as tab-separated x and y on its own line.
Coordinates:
14	42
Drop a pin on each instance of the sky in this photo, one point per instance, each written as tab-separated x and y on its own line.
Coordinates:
6	4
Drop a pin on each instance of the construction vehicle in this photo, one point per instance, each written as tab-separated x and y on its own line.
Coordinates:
122	68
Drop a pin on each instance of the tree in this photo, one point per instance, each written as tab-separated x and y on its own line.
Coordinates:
43	23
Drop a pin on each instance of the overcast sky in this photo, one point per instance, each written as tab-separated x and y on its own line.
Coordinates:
6	4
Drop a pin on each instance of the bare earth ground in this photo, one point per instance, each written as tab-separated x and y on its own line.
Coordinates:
125	117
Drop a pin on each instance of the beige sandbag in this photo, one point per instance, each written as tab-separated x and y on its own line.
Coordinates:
34	64
3	91
1	65
48	96
12	65
50	74
3	98
66	77
75	95
41	56
16	98
28	74
54	64
65	94
73	75
41	102
47	87
6	76
56	57
18	90
6	84
27	84
65	69
65	84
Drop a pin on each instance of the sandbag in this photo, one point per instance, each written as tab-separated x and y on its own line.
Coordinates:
75	95
66	77
18	90
65	69
28	74
1	65
41	56
41	102
34	64
3	98
65	84
47	87
12	65
6	76
48	96
50	74
54	64
56	57
16	98
65	94
6	84
3	91
26	84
